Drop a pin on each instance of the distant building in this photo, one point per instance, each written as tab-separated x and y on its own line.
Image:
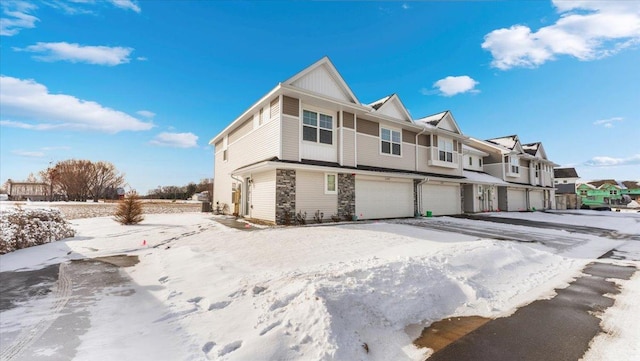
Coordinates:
22	191
607	192
565	183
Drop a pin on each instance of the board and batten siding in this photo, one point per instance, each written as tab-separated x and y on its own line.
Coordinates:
263	196
261	144
310	195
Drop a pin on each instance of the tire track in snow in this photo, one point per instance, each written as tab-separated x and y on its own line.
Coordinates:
28	336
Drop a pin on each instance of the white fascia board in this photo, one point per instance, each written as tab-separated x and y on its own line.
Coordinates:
251	109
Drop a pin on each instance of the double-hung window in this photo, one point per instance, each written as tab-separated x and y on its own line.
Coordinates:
317	127
445	150
515	165
390	141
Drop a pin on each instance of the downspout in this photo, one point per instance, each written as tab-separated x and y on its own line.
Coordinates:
419	186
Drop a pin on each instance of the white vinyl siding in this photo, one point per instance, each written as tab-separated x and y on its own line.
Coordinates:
441	199
263	196
290	141
261	144
310	195
348	147
516	200
369	154
380	198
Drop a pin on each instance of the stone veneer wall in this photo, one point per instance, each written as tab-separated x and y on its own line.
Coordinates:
285	195
346	195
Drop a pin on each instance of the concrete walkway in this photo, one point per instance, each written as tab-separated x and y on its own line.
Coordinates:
558	329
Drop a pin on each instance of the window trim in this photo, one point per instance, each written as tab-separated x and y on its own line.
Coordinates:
326	183
445	142
318	128
390	141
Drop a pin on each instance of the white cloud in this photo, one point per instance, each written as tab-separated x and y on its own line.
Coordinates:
608	123
23	153
610	161
405	6
27	99
146	113
586	30
126	4
177	140
141	58
99	55
17	15
453	85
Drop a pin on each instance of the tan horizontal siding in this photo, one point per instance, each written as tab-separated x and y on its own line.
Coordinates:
218	146
290	138
368	127
348	120
290	106
408	136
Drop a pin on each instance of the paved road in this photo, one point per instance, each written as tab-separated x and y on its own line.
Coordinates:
558	329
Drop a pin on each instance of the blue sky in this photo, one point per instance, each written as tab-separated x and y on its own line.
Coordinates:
146	84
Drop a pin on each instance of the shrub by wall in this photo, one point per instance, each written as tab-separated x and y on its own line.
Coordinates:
21	228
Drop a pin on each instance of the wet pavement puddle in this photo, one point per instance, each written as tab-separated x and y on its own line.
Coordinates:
441	333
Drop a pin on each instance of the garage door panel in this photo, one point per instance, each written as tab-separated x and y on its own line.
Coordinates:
441	199
536	199
516	200
376	199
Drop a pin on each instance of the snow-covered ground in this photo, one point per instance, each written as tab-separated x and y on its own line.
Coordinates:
318	292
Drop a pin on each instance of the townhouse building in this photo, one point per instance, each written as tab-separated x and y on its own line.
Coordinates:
309	147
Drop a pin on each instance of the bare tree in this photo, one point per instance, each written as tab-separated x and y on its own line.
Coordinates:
80	179
105	176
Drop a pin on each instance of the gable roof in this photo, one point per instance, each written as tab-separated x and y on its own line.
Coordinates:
531	148
631	184
600	183
392	106
509	141
323	77
565	173
443	120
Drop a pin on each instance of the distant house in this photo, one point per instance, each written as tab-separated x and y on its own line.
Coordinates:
603	193
565	184
22	191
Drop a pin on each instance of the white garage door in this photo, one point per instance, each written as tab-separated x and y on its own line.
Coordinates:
383	199
516	200
441	199
536	200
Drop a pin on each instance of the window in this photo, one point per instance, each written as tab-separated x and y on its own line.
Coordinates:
470	161
537	170
515	165
613	192
564	181
224	155
317	127
583	193
556	181
330	183
390	141
445	150
480	162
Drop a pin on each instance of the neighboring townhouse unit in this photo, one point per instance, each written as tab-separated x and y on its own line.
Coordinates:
565	188
309	146
525	169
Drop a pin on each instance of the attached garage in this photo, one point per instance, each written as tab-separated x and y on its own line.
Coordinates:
441	199
379	198
536	199
516	199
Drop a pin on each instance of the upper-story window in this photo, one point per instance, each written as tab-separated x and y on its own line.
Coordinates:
613	192
515	165
445	150
317	127
390	141
537	170
480	162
